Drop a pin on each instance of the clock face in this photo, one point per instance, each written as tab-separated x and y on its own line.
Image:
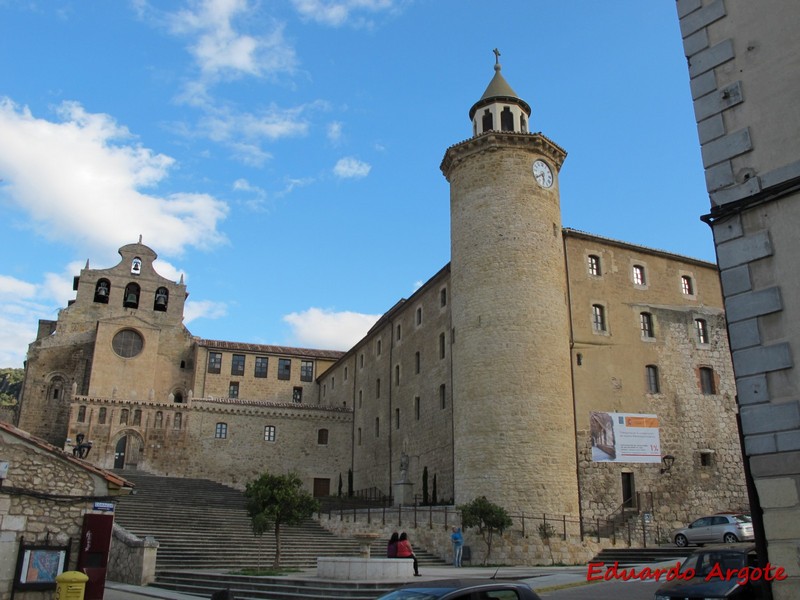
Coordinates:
542	174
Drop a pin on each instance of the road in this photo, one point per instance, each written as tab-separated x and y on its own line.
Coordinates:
606	590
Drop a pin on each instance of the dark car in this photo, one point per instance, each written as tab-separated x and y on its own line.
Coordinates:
463	589
717	572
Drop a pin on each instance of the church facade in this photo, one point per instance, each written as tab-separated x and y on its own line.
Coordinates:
551	370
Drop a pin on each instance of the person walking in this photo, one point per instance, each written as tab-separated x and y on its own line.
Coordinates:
391	547
458	546
404	550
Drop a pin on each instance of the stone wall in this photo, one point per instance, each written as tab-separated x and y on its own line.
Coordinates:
131	559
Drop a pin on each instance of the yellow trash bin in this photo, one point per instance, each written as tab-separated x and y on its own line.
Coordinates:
70	585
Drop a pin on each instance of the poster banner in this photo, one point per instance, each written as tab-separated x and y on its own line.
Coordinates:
625	437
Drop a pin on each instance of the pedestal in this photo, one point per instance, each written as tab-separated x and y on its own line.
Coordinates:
403	492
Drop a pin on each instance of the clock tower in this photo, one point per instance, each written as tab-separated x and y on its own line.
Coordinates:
513	415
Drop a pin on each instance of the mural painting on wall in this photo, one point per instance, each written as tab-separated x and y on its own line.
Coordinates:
625	437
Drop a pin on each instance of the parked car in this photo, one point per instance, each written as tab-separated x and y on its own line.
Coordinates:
725	528
463	589
719	572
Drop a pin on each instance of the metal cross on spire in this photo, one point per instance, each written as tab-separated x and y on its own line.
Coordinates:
496	56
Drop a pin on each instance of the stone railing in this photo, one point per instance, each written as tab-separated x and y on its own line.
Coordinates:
131	559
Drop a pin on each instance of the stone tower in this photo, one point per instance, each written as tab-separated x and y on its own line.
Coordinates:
513	415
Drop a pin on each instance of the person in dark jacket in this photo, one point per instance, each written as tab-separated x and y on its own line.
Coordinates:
391	548
404	550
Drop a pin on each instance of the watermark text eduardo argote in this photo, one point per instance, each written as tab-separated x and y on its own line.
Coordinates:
743	575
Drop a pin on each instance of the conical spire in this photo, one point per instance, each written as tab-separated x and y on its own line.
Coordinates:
499	95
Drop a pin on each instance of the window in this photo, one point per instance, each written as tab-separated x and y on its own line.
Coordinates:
506	120
687	285
233	389
416	407
297	395
487	121
237	364
442	345
359	436
378	348
322	437
333	383
419	316
598	318
137	418
307	370
360	397
377	427
707	384
653	386
399	331
82	414
397	374
361	360
214	362
377	388
638	275
101	416
345	373
158	420
262	362
442	396
594	265
102	290
284	368
127	343
397	418
646	324
177	421
443	297
123	416
269	433
221	431
416	362
701	331
706	458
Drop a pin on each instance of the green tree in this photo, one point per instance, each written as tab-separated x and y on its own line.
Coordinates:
425	485
276	500
10	385
434	496
340	486
349	483
487	517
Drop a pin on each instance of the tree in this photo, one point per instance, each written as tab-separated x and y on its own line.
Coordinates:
10	385
349	483
275	500
340	486
425	485
487	517
434	497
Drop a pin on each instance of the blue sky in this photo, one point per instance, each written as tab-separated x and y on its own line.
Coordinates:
284	154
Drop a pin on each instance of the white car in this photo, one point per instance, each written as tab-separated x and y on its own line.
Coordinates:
727	528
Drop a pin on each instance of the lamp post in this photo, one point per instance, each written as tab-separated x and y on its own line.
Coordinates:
668	461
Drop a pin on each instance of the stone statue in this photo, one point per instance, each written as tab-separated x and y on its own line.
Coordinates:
403	467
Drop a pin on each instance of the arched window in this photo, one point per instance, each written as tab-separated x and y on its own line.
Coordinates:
137	417
177	421
161	299
136	266
322	437
178	396
506	120
101	416
102	291
123	416
488	121
523	124
131	298
56	389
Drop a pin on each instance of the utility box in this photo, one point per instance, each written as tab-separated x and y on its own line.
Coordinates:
71	585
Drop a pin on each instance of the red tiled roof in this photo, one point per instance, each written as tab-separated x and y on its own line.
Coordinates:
268	349
111	478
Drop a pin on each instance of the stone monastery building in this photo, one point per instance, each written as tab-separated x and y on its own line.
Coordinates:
547	369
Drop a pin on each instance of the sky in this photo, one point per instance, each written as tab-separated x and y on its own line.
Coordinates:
283	155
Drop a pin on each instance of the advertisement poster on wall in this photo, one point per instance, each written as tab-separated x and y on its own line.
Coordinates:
625	437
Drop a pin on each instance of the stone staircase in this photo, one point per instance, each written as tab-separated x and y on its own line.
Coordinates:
202	525
630	556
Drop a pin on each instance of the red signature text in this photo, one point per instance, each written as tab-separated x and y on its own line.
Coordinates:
743	575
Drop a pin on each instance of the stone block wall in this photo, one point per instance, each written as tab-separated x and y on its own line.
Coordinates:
131	559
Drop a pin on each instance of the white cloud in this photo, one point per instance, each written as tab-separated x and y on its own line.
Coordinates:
16	289
221	46
351	168
339	12
321	328
81	180
203	309
335	132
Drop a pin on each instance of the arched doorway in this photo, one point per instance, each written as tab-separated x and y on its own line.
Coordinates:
128	450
